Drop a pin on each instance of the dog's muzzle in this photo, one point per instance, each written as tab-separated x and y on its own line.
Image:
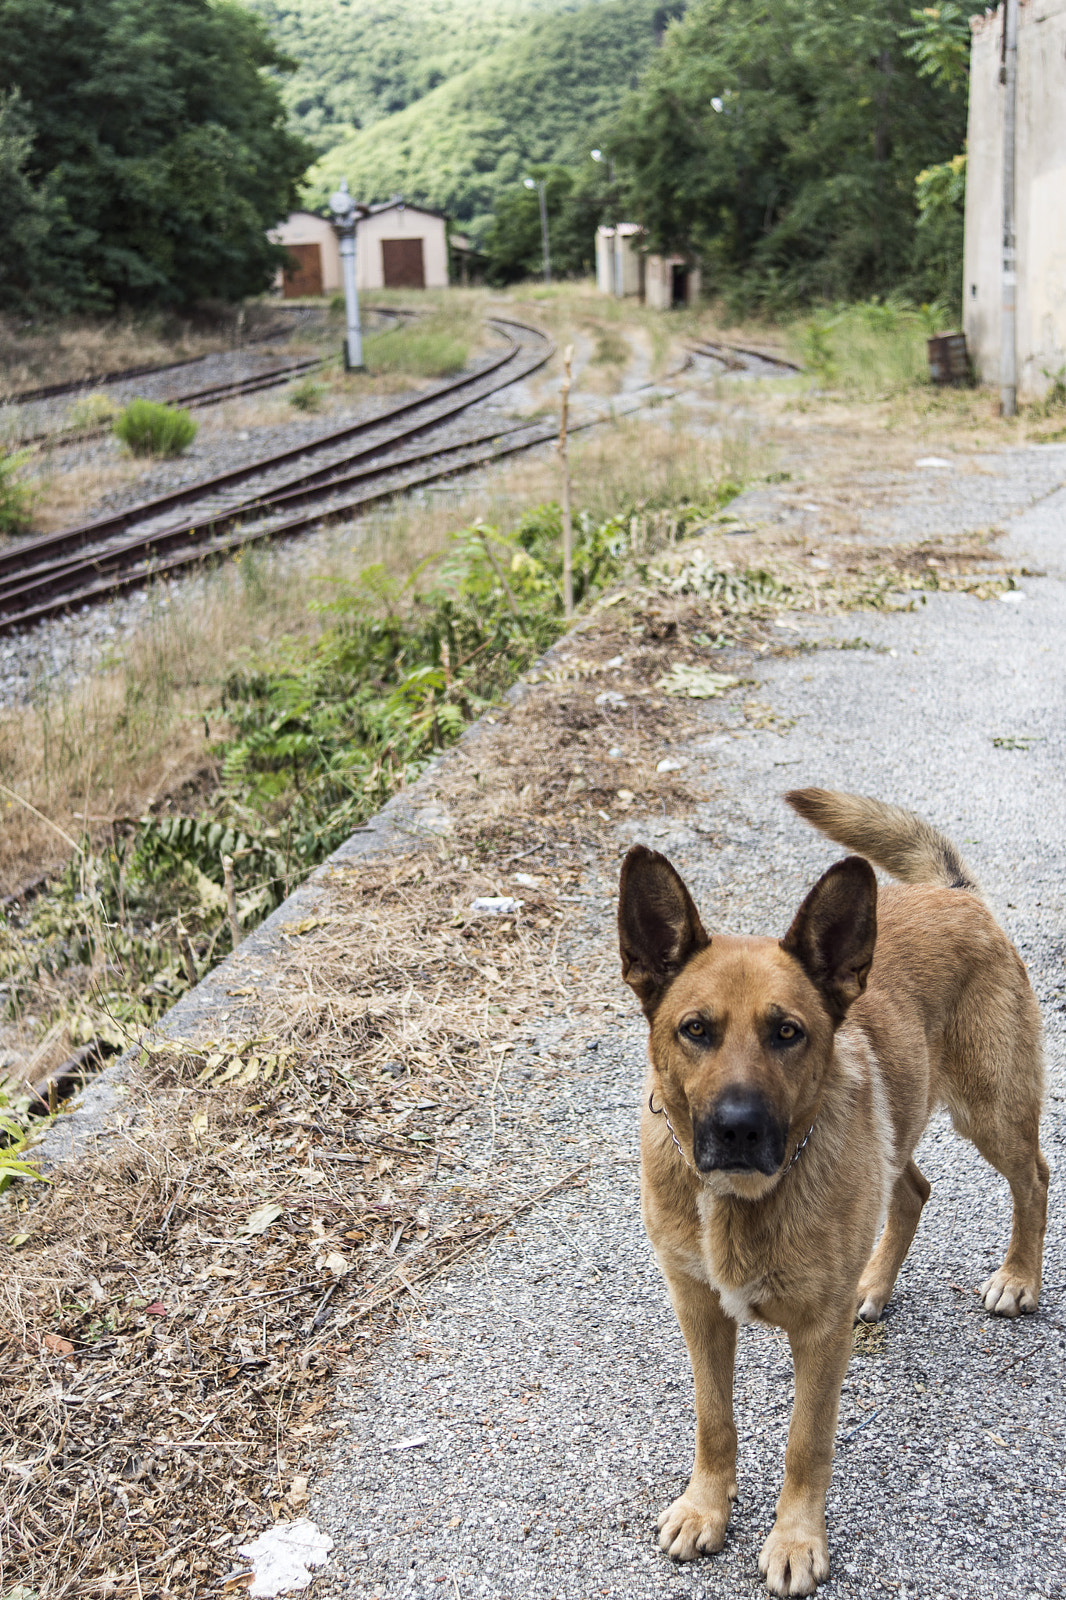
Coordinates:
739	1134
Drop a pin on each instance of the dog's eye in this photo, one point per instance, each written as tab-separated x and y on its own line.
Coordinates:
788	1033
694	1029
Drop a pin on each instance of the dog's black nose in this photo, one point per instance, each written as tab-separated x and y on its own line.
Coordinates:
741	1133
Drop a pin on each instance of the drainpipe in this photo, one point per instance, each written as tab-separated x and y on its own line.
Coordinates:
1008	357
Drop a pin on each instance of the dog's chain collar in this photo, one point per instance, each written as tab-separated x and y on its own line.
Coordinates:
661	1112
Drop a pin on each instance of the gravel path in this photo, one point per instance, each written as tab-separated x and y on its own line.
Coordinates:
520	1433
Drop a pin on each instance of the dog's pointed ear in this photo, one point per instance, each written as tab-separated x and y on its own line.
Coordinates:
659	927
834	932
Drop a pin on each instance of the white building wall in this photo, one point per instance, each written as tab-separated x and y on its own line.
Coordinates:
618	264
401	222
1040	203
303	227
659	282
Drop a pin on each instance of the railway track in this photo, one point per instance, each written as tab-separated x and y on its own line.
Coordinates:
208	395
337	475
741	358
52	391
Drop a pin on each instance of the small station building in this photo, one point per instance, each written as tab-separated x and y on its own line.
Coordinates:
397	246
1040	196
623	269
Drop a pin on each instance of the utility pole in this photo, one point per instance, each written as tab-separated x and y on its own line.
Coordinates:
541	186
345	220
1008	357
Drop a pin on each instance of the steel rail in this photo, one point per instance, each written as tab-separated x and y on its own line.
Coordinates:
716	349
232	389
154	570
30	550
313	487
51	581
50	391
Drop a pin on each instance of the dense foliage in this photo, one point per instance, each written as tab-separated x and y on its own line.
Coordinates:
576	200
781	141
152	136
359	62
546	96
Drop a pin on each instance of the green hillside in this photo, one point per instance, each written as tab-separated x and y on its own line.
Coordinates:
545	95
358	63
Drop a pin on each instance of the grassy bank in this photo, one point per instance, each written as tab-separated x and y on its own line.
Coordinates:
265	711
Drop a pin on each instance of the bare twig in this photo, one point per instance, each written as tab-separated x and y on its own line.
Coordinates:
231	900
564	457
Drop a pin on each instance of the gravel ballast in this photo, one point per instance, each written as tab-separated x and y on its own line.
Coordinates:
520	1433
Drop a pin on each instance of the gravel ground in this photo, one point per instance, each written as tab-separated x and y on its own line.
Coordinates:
519	1434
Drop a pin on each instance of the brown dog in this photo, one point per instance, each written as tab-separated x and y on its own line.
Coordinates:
789	1082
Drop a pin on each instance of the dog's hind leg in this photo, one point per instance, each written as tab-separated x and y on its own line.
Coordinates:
1016	1286
909	1195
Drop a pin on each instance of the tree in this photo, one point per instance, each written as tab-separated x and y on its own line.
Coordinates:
780	140
156	127
574	202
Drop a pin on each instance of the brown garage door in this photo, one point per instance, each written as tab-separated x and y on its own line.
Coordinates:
401	264
305	275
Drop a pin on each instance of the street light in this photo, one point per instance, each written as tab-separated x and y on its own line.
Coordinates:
540	186
346	212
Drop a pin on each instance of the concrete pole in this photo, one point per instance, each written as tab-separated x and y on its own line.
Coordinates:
1008	357
354	343
345	221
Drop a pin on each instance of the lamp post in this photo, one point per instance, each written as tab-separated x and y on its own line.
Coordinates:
541	186
345	220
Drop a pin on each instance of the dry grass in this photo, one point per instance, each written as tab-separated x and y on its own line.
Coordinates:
123	741
167	1371
75	348
166	1355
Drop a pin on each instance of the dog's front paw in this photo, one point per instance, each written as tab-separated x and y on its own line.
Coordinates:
694	1525
794	1561
1007	1295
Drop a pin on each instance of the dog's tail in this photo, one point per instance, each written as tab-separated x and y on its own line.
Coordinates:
897	840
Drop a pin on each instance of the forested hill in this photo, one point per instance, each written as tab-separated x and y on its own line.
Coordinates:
538	84
359	62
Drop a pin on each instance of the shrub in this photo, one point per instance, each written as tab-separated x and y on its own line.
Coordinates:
150	429
16	496
417	353
92	411
307	396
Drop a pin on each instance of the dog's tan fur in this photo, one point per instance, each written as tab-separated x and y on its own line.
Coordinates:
873	1010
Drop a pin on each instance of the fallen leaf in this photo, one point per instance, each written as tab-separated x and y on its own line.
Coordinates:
302	927
261	1218
57	1345
156	1309
333	1263
298	1495
696	683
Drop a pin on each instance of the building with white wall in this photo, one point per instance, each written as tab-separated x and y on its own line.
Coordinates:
312	244
623	269
619	264
397	246
400	246
1040	196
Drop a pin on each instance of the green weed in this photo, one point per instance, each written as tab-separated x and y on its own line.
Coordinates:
307	395
148	428
16	495
873	348
92	411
